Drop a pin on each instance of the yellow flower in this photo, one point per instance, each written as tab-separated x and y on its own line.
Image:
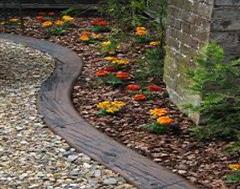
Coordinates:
120	61
141	31
47	24
84	38
96	36
118	104
59	23
106	44
158	112
14	20
104	105
116	60
234	167
165	120
67	18
154	43
110	58
111	106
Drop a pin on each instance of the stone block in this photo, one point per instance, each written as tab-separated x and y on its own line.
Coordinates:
191	24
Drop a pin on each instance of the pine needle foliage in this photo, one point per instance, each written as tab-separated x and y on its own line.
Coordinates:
217	82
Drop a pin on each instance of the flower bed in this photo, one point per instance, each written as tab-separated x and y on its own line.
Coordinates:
135	113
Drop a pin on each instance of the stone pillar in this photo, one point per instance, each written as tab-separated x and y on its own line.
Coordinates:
190	25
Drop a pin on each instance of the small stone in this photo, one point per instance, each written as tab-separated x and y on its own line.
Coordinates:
181	172
86	165
72	158
97	173
110	181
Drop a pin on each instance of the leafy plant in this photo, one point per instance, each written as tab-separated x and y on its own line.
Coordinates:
152	66
156	128
112	80
234	177
217	83
56	31
130	12
233	148
100	29
110	46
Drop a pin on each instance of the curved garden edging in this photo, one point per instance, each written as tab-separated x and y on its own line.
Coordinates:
59	114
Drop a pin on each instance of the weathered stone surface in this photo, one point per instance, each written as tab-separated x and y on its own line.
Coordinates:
191	24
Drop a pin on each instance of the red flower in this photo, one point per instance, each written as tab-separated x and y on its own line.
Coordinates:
40	18
109	69
133	87
122	75
99	22
51	13
139	97
102	73
154	88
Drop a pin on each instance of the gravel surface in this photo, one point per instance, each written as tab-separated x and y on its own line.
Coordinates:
31	156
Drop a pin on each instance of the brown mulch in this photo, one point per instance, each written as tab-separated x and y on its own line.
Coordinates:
204	164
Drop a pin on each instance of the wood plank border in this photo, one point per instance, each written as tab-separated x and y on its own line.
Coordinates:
61	117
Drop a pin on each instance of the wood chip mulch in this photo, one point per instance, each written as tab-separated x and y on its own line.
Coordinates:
204	164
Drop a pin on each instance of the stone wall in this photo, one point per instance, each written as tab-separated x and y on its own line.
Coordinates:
191	24
225	28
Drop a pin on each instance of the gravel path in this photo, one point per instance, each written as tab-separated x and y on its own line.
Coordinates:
31	156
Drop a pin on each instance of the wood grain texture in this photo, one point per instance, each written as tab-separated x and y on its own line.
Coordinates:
56	107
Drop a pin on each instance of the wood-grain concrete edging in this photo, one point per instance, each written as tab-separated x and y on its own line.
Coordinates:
58	112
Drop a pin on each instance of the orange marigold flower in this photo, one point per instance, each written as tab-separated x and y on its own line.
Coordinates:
40	18
133	87
99	22
234	167
165	120
141	31
139	97
47	24
122	75
85	36
102	73
158	112
154	88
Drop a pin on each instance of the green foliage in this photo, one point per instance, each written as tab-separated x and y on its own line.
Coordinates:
157	9
234	177
112	47
143	39
152	66
112	80
100	29
233	148
56	31
125	11
217	82
156	128
132	13
102	113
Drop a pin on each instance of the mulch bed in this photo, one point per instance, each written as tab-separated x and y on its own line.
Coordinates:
204	164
